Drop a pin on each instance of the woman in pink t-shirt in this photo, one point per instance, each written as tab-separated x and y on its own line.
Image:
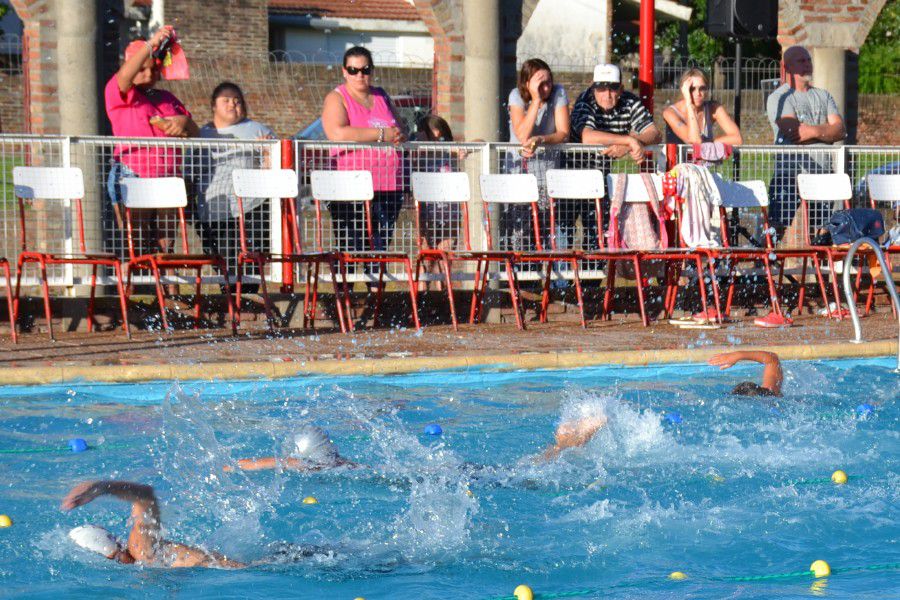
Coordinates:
136	109
355	111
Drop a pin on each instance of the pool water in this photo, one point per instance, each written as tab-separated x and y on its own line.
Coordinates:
739	487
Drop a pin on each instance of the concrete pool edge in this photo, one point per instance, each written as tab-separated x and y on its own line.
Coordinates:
391	366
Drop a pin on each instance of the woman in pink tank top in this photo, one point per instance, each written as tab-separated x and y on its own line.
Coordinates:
355	111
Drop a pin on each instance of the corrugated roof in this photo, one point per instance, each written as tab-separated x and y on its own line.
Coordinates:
398	10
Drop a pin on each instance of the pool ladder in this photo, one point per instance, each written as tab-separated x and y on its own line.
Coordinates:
889	282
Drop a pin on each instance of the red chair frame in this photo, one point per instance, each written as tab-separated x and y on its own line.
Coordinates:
884	188
60	183
257	183
168	193
9	300
356	186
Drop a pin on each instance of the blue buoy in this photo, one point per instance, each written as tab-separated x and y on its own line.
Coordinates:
674	418
78	445
433	429
865	409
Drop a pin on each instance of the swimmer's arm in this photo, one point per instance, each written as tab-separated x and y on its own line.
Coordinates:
772	373
270	462
186	556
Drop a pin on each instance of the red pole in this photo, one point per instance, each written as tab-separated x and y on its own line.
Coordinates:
287	225
647	35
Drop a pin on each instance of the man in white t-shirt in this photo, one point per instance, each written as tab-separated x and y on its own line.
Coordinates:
800	114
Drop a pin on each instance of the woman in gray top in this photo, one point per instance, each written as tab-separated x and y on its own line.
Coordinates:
217	205
538	119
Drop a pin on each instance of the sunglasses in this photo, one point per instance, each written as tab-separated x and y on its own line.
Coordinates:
366	70
607	87
701	89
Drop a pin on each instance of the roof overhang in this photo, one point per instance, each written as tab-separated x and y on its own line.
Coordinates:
322	23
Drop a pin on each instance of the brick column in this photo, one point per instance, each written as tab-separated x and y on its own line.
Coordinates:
40	65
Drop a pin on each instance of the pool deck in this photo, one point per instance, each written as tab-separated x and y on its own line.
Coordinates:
208	354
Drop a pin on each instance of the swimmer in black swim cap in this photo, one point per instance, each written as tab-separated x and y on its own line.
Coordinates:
311	450
771	378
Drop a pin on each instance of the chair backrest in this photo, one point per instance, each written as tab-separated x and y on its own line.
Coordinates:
153	192
634	188
519	188
575	184
822	187
342	186
440	187
742	194
265	183
884	188
48	183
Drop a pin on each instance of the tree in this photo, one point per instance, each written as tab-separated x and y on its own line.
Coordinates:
880	54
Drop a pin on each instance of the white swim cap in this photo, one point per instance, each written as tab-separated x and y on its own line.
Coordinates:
311	443
96	539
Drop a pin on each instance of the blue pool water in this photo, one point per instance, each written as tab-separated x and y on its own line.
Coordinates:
738	488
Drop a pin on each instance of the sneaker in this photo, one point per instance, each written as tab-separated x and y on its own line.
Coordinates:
710	314
773	320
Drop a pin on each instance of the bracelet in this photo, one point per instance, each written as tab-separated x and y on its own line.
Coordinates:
380	134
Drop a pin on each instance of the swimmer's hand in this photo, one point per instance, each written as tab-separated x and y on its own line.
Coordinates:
81	494
574	434
725	360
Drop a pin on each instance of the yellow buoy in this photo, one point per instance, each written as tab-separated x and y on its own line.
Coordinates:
310	500
677	576
523	592
839	477
820	568
359	598
5	521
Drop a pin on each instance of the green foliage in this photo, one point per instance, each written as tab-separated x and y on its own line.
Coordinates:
878	72
880	55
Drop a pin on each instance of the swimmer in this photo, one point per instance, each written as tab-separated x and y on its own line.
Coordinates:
145	543
311	450
574	433
771	378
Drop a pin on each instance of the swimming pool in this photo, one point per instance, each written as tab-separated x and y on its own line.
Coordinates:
739	487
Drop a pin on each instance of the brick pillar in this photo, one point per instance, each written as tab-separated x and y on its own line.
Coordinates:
443	18
40	65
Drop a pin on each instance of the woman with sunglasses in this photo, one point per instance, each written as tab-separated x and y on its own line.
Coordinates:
690	120
356	111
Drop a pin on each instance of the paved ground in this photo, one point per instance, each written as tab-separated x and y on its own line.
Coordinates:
562	334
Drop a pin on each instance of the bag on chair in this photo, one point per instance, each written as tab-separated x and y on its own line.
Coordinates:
847	226
635	226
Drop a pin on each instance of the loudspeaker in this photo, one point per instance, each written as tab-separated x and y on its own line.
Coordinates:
742	18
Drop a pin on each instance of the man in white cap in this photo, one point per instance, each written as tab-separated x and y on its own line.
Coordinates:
604	114
145	542
310	450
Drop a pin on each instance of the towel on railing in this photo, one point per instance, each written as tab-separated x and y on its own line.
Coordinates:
699	197
710	153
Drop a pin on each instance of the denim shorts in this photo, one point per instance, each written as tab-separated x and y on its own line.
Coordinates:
114	181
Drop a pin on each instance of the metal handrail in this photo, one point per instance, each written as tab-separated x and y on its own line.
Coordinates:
889	282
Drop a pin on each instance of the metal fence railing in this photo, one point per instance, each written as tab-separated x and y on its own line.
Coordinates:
205	165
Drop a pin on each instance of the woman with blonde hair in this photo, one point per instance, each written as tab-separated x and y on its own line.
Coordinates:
690	120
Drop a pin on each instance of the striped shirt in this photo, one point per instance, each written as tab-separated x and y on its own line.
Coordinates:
626	116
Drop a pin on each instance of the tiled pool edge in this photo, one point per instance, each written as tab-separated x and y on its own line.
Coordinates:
388	366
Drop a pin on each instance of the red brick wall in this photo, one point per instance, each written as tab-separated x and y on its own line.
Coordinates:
12	104
224	28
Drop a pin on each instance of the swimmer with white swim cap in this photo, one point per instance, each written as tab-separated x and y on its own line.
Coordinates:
310	450
145	542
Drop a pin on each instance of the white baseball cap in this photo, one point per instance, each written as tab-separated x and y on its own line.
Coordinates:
605	73
96	539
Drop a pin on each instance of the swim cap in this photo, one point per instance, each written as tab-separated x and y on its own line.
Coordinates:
96	539
311	443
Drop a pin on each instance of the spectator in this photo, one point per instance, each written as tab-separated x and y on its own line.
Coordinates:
538	116
356	111
136	109
799	114
608	116
690	120
217	205
440	220
604	114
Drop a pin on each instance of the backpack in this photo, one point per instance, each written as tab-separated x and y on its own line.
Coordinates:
631	225
847	226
